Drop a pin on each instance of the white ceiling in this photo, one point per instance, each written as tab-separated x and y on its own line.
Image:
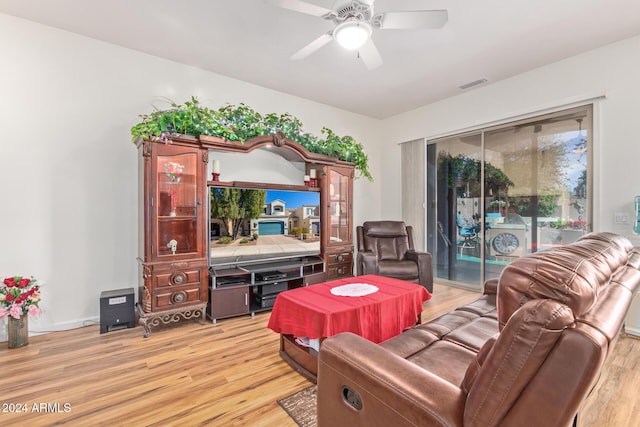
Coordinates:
251	40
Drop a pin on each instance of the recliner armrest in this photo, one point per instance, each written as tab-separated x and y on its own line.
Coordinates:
490	287
391	390
367	263
425	269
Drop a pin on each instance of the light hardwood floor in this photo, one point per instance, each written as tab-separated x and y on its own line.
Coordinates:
228	374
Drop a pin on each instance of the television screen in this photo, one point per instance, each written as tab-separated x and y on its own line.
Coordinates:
251	225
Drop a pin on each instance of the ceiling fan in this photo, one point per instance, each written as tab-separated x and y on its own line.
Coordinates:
355	21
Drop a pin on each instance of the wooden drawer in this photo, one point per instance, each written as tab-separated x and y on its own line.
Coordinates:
176	296
339	258
177	278
337	271
176	284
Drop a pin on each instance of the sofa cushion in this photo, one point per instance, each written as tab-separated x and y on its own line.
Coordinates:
398	269
392	248
442	358
573	275
483	306
384	228
410	342
476	365
514	363
445	359
474	334
448	322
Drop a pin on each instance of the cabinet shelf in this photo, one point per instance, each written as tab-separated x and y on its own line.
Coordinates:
177	218
240	285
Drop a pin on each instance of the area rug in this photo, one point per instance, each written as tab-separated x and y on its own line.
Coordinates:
301	406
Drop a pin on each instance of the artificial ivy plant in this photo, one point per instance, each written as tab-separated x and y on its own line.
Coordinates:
241	123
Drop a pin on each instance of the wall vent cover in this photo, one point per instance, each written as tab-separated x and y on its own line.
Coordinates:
473	83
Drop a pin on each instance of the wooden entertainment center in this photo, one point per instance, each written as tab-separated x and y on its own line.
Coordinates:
178	277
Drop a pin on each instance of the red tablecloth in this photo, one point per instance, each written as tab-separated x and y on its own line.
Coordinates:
314	312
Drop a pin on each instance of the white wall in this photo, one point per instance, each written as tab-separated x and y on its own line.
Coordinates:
612	71
68	171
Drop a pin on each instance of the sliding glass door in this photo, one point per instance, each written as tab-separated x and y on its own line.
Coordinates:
506	191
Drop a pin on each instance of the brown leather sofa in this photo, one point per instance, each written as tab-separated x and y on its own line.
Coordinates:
531	362
386	248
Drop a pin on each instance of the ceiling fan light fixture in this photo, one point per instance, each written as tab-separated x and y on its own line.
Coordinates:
352	34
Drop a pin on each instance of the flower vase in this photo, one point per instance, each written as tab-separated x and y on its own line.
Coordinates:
18	331
174	203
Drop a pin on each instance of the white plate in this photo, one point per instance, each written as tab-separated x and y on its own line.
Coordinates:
354	290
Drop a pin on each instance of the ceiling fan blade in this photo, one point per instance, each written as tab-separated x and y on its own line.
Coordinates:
411	20
302	7
313	46
370	55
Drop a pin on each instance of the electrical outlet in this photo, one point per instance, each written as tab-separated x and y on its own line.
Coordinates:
620	218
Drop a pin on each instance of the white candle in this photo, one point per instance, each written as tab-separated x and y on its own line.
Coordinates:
306	178
312	173
216	166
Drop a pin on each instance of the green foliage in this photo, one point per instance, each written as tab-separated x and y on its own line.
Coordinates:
296	231
545	204
580	190
225	240
241	123
465	169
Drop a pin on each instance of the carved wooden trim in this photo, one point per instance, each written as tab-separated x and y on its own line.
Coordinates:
146	148
278	140
147	270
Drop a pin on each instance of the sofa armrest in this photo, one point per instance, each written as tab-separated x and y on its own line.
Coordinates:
367	263
490	287
390	389
425	270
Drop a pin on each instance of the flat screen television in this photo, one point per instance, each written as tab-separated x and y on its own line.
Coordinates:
249	225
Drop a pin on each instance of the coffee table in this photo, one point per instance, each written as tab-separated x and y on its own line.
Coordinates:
315	313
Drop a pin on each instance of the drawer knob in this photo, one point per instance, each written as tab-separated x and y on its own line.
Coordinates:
340	270
178	278
340	258
178	297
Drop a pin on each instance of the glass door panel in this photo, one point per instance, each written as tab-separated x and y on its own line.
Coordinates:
508	191
459	241
338	207
176	203
544	202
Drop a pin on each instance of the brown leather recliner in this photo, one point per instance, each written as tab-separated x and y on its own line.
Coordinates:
386	248
559	314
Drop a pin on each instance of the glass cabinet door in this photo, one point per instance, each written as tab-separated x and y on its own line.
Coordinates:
176	203
340	229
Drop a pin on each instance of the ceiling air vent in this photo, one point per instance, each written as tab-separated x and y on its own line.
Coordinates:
473	83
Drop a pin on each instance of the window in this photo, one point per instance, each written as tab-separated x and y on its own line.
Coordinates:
507	191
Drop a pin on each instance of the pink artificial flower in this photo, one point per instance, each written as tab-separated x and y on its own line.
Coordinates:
33	310
15	311
3	312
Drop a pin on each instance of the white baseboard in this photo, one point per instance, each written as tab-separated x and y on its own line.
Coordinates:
632	331
36	329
